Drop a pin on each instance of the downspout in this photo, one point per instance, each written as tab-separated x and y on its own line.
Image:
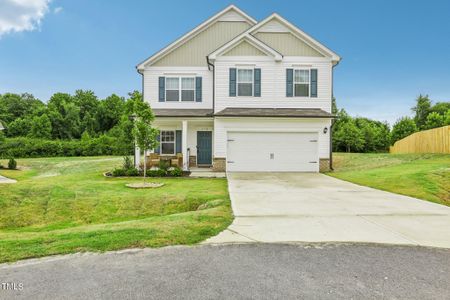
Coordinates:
331	144
333	120
213	82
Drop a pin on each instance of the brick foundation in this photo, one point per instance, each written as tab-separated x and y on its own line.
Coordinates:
219	164
192	161
324	165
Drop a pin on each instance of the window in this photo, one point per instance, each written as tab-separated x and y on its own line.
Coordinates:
180	92
167	142
301	83
172	89
245	82
187	89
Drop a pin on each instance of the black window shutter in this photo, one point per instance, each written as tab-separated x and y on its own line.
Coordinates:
198	89
314	83
232	82
289	82
158	147
162	89
257	82
178	141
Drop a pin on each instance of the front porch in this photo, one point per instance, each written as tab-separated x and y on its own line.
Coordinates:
186	143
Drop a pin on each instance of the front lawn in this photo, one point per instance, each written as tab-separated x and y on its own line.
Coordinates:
424	176
65	205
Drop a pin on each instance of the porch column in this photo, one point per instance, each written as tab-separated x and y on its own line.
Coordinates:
184	145
137	156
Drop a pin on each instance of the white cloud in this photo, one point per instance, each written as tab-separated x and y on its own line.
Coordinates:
21	15
57	10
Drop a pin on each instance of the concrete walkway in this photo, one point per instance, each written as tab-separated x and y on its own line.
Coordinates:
305	207
6	180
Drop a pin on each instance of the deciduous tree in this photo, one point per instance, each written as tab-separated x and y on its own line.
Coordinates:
41	127
402	128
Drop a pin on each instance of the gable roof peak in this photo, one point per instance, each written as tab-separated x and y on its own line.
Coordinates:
245	36
299	33
193	33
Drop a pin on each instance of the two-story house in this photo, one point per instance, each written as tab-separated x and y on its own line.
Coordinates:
235	94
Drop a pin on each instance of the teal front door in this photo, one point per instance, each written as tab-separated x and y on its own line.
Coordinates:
204	147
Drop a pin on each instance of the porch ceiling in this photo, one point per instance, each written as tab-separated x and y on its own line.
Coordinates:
274	112
183	112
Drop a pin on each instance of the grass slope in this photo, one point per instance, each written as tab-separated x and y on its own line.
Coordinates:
65	205
424	176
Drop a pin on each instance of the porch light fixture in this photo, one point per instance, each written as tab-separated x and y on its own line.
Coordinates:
325	130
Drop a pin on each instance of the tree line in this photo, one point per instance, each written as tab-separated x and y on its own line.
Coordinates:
359	134
99	126
82	124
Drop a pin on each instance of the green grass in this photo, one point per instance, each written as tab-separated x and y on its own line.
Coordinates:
424	176
65	205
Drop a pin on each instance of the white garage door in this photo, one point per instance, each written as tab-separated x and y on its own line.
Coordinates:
272	152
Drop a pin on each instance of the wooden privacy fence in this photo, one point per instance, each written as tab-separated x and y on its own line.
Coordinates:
435	140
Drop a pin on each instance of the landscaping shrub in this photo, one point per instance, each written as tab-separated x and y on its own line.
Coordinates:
12	164
175	172
164	170
118	172
157	173
152	173
164	165
127	163
127	169
132	172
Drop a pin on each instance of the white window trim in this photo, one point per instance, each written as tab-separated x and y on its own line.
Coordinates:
309	83
179	88
237	81
174	142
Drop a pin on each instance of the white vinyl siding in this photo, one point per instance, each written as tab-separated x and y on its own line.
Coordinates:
273	83
151	86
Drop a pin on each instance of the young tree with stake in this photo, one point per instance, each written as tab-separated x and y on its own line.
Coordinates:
144	134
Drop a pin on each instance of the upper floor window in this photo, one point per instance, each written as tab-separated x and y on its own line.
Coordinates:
180	88
301	83
245	82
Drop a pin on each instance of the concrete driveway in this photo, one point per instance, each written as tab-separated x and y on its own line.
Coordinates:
306	207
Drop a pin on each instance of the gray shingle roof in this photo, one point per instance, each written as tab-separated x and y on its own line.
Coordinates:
274	112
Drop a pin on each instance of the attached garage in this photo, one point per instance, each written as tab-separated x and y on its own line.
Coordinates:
272	152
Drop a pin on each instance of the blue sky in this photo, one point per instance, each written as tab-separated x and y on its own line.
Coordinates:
392	50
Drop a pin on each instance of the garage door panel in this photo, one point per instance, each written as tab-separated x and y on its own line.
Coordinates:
272	151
